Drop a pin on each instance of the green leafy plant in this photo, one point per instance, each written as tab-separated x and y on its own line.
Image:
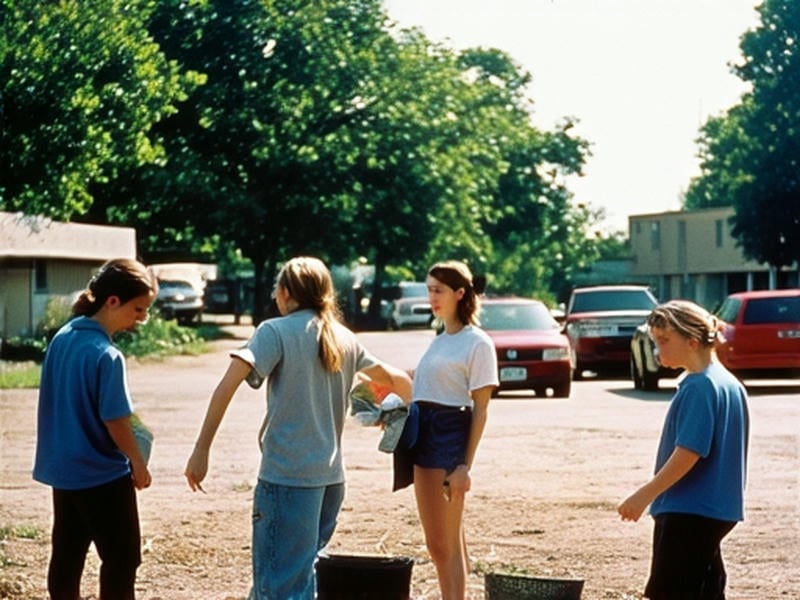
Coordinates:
158	338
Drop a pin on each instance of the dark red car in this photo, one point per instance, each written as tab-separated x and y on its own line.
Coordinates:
600	323
532	353
761	333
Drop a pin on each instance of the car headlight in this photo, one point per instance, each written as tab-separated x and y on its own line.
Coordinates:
555	354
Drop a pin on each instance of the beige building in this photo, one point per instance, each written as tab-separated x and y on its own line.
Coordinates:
41	259
692	255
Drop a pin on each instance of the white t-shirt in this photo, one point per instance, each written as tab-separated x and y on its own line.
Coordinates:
454	365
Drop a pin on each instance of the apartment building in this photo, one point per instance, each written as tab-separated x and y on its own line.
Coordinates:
692	255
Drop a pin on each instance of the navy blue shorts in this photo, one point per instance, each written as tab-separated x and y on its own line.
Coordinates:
442	437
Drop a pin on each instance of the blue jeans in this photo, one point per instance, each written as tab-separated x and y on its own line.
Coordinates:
290	525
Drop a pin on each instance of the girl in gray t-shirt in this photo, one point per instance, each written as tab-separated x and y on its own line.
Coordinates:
309	360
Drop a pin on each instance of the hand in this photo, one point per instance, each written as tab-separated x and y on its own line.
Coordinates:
196	469
141	476
632	507
457	483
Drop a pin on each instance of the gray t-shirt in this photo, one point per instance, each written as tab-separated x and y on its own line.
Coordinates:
306	405
454	365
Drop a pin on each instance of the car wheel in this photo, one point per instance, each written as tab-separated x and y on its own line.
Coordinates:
541	392
577	373
393	326
638	381
562	390
650	381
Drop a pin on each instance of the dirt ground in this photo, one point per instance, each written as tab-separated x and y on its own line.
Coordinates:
548	476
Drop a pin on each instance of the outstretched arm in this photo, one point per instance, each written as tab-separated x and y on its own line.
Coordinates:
396	379
679	464
197	467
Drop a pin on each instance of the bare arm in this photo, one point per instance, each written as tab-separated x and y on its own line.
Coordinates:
122	434
392	377
679	464
197	467
459	480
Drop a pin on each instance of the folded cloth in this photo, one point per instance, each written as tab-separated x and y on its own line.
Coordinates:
403	455
393	421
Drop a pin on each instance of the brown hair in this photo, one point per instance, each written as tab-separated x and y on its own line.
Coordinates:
309	283
688	319
456	275
124	278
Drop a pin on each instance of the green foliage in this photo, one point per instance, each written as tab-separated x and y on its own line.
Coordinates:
82	85
57	312
250	131
750	155
158	338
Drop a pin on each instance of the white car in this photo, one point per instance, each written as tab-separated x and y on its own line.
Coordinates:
407	305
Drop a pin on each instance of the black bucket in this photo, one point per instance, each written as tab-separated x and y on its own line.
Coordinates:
499	586
363	577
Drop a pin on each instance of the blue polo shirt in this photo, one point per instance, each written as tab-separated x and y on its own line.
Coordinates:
83	384
708	416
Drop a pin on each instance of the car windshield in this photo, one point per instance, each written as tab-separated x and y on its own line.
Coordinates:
165	286
600	300
772	310
510	317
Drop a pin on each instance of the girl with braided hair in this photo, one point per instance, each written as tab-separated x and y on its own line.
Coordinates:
697	493
309	360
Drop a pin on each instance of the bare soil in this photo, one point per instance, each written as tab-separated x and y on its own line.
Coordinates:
547	480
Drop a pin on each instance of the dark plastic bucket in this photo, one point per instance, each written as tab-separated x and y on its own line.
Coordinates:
499	586
363	577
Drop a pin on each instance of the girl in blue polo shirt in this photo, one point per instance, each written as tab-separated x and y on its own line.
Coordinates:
697	494
85	447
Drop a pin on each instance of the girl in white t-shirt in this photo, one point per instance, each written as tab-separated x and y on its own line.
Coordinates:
452	387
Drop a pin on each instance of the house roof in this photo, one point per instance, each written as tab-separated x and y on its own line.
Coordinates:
30	236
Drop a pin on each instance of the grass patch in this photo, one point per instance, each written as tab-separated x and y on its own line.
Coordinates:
158	338
19	375
27	532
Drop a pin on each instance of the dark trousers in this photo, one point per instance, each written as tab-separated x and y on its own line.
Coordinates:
108	516
687	562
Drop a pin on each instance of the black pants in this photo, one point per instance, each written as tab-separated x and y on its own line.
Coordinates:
108	516
687	563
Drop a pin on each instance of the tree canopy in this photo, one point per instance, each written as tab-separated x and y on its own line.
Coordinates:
279	127
750	155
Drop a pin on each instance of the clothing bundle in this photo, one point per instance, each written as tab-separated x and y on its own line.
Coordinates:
374	405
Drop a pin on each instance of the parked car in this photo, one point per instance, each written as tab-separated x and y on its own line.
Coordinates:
406	305
532	351
761	333
178	300
646	370
600	322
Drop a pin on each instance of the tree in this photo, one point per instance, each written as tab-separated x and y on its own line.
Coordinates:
750	156
82	86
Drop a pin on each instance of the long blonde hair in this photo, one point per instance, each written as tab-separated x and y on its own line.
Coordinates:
308	281
690	320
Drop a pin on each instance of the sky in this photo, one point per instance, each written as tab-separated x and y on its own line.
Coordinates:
641	76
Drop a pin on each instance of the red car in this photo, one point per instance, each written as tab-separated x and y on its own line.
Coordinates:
532	353
761	333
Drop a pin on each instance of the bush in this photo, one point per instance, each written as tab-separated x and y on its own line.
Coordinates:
158	338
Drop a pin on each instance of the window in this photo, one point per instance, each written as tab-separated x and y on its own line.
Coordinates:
40	275
655	235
